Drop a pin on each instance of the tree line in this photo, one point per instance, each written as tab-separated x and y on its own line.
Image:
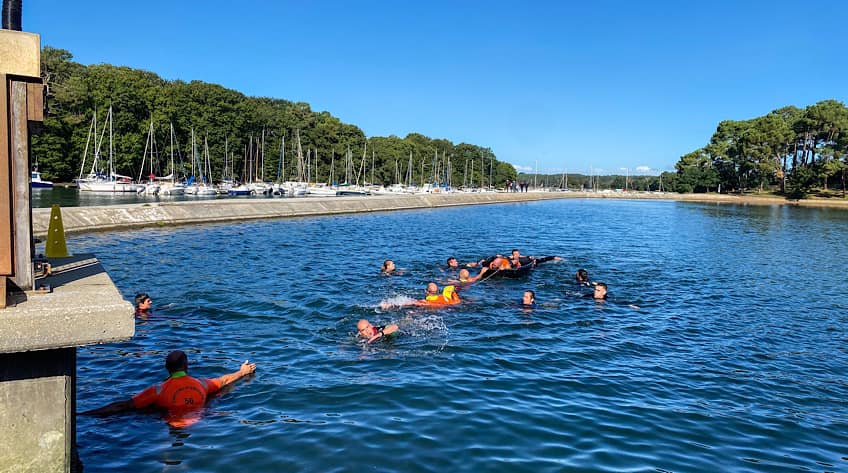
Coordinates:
790	151
255	136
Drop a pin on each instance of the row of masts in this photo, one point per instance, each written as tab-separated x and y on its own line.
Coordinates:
305	167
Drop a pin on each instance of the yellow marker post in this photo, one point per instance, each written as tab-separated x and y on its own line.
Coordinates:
55	246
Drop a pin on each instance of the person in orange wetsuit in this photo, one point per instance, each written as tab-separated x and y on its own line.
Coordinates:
448	296
180	395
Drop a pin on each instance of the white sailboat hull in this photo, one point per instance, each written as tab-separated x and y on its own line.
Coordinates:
107	186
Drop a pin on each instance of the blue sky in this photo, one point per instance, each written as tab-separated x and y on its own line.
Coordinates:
606	85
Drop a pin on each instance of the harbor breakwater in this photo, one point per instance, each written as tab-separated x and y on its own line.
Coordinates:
115	217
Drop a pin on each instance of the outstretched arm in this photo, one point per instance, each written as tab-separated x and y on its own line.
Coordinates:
109	409
245	369
387	330
474	279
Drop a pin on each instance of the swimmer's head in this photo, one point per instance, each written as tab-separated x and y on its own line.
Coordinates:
464	274
452	262
432	289
529	297
364	328
176	361
600	291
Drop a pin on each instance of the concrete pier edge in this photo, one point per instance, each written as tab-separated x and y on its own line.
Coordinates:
163	213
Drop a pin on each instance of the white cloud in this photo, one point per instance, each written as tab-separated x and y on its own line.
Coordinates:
521	168
643	169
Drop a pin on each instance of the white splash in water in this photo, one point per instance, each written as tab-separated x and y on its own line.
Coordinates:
397	301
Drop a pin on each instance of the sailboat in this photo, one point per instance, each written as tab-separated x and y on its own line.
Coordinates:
97	179
151	187
319	189
299	187
169	184
204	187
35	178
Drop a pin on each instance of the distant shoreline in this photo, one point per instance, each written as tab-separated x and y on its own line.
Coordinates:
160	214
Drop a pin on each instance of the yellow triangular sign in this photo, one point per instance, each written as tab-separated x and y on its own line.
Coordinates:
55	246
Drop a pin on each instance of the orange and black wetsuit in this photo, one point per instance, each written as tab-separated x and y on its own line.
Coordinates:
179	391
179	395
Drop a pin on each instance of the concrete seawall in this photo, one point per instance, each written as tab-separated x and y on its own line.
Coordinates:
88	219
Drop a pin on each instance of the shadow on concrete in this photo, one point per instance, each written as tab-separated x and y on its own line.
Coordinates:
70	269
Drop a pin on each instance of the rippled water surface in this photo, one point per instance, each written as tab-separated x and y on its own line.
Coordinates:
723	347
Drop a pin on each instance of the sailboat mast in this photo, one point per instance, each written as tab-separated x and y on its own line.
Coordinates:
280	163
173	171
332	165
111	147
224	176
482	171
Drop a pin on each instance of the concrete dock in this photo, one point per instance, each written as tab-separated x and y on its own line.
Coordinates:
116	217
39	334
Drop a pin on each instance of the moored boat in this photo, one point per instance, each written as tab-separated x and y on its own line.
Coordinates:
37	182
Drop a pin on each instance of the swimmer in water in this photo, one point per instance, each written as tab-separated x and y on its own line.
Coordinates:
143	305
180	395
371	333
528	299
448	296
600	292
466	279
582	277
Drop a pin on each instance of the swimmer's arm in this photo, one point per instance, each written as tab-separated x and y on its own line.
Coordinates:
139	401
480	274
387	330
109	409
245	369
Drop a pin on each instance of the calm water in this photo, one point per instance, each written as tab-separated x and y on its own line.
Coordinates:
734	361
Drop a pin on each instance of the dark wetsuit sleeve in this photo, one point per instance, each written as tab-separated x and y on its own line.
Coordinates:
544	259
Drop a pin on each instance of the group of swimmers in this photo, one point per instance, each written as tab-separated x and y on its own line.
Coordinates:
449	295
180	395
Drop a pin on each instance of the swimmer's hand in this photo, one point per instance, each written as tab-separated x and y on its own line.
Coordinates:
247	368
